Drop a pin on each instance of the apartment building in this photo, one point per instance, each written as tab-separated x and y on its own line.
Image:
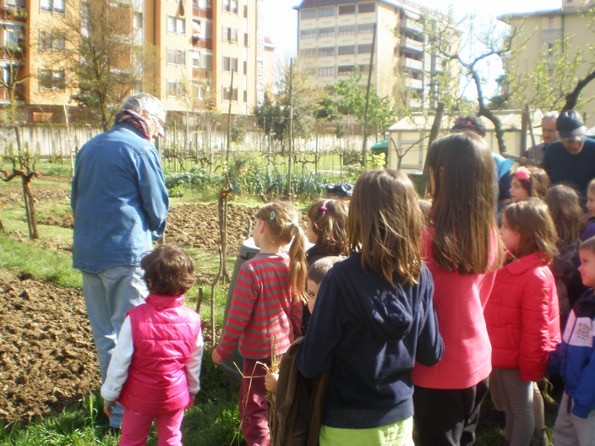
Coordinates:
335	37
205	53
574	24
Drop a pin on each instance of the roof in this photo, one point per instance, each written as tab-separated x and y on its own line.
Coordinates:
397	3
510	120
546	13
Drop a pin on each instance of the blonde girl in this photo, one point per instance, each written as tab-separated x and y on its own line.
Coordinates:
528	182
266	311
522	314
327	221
462	251
374	318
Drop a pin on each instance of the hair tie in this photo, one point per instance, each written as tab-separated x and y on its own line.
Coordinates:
522	173
272	215
323	209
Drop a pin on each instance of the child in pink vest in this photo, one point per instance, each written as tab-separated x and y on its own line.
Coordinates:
154	369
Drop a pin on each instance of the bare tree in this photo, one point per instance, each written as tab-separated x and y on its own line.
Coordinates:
478	48
107	60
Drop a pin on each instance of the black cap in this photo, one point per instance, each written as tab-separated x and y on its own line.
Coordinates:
570	124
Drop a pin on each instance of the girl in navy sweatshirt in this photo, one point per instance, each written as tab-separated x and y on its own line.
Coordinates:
374	318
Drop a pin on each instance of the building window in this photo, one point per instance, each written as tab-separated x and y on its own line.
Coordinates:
327	31
202	4
344	69
230	34
52	5
346	9
176	57
329	11
227	94
246	42
308	14
230	64
326	71
245	96
176	25
245	67
50	41
16	3
346	49
366	7
51	79
308	52
14	36
346	30
326	51
365	48
137	19
365	28
173	88
230	6
307	33
202	60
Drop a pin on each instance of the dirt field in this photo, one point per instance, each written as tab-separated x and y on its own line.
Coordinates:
47	357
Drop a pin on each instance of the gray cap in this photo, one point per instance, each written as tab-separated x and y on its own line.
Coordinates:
570	124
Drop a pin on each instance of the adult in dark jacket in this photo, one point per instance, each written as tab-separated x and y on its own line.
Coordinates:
571	160
374	318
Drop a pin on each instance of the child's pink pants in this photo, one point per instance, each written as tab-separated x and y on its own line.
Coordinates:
136	428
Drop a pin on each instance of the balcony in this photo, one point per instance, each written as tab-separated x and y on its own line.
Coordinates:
412	64
409	24
13	13
198	42
416	84
201	12
412	45
200	73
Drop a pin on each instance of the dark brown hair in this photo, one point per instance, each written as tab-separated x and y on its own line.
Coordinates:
538	183
329	223
531	218
385	225
320	267
282	222
463	204
563	203
168	270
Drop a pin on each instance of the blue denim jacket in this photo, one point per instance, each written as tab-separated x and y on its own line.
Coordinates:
119	200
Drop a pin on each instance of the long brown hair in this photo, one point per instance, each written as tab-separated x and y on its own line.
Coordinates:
464	203
563	203
385	225
282	222
329	223
531	218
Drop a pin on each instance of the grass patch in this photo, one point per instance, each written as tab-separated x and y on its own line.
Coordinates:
39	262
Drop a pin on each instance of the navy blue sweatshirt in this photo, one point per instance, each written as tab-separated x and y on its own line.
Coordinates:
369	334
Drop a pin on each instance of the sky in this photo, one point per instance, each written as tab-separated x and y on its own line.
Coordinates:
281	20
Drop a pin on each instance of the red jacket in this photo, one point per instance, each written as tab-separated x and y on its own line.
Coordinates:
523	318
164	334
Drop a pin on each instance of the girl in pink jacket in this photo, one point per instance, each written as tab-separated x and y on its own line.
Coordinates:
522	314
154	369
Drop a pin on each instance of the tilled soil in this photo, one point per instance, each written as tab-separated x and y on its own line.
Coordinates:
47	357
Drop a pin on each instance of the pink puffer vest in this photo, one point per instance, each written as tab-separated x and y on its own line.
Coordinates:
164	334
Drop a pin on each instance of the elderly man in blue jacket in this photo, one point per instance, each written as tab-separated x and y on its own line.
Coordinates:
120	204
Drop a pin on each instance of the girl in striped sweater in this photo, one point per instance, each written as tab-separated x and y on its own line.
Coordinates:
266	311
